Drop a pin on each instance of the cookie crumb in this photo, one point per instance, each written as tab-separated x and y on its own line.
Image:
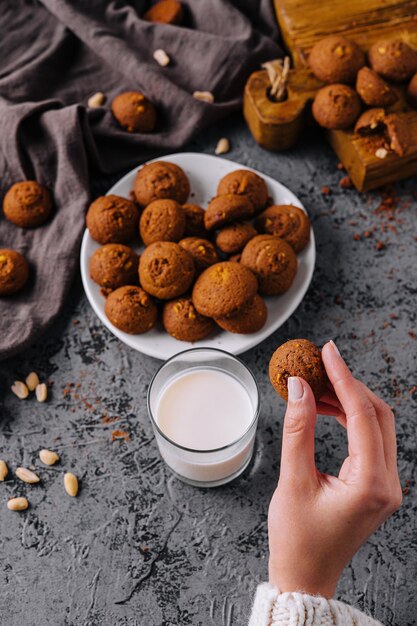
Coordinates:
346	182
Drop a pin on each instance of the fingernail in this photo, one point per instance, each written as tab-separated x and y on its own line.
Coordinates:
295	389
335	348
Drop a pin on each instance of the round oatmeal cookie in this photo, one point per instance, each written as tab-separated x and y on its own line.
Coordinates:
166	271
162	220
226	209
114	265
233	238
273	262
245	183
202	251
194	220
131	309
183	322
112	219
335	59
374	90
223	289
298	357
27	204
14	272
134	112
287	222
160	180
249	319
393	60
336	107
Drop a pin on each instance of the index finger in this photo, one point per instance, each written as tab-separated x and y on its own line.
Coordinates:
364	434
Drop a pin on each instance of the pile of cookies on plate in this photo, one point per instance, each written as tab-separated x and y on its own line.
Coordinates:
202	268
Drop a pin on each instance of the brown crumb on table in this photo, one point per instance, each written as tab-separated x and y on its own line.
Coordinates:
357	237
326	191
412	390
393	316
412	334
346	182
110	420
340	166
380	245
120	435
406	488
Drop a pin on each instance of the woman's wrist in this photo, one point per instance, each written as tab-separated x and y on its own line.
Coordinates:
313	584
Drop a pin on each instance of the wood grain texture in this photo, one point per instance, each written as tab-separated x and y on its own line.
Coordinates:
277	125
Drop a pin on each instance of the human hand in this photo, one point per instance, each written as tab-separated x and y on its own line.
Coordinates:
316	521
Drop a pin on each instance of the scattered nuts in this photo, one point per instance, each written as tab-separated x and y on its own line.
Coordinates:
48	457
71	484
3	470
27	475
204	96
96	100
32	381
41	392
381	153
223	146
161	57
20	390
18	504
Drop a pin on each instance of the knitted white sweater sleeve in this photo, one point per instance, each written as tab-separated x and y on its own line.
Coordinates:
272	608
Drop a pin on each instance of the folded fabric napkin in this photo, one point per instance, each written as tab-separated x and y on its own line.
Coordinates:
54	55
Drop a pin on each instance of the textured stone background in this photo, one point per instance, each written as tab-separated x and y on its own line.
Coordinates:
139	547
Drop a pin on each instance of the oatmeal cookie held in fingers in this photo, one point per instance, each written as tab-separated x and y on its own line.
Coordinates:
298	357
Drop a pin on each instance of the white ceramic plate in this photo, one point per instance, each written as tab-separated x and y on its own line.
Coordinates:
204	172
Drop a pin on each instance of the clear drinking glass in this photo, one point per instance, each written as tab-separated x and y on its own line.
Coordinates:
205	468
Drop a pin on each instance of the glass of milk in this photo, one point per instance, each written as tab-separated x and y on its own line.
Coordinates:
204	406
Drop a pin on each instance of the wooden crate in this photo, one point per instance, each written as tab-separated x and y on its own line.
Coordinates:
277	126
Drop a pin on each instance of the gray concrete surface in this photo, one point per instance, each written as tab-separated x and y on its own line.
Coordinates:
137	547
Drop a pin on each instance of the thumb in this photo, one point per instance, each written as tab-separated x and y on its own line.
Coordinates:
297	456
